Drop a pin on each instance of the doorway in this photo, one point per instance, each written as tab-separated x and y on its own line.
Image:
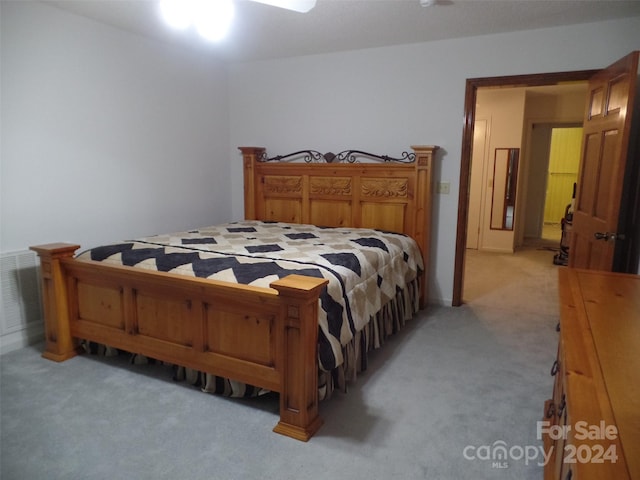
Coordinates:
552	175
471	92
561	176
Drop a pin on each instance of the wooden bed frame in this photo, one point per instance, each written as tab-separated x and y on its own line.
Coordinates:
265	337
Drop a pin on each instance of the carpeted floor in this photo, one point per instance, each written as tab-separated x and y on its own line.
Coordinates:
437	401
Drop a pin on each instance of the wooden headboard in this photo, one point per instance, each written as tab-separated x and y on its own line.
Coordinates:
338	190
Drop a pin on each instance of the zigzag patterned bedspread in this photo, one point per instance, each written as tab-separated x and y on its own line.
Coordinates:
366	268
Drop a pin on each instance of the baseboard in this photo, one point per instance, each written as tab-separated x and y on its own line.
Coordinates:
20	339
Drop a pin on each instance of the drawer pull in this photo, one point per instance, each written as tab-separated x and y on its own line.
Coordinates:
551	410
563	404
554	368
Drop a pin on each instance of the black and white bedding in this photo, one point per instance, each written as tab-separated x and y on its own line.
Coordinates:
373	275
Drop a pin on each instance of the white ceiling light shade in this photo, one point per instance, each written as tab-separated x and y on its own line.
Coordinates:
176	13
211	18
302	6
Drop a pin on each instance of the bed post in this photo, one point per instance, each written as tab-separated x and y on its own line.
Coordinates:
424	167
60	345
299	416
250	155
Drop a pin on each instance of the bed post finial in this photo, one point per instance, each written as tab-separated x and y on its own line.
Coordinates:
250	155
424	166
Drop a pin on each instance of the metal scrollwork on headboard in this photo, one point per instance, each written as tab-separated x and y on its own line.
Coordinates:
346	156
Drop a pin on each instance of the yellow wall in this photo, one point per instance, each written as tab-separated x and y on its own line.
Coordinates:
564	160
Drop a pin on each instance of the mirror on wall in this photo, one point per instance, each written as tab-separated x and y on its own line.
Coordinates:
505	178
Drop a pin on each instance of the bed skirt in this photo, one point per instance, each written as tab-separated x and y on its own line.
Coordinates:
388	321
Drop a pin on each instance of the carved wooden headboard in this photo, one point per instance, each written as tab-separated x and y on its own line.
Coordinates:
339	190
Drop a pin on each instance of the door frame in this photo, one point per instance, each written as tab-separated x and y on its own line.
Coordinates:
471	90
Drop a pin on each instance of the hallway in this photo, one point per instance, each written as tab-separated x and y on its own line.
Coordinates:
525	281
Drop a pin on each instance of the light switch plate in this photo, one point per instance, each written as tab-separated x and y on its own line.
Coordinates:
443	188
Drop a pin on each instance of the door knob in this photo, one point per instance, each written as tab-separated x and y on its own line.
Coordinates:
606	236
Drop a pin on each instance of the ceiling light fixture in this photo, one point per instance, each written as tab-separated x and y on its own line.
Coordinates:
211	18
301	6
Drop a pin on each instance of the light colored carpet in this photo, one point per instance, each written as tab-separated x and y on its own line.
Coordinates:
455	381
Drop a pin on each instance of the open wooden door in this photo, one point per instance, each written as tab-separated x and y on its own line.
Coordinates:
597	235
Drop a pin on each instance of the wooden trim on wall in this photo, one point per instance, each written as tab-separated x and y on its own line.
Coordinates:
471	90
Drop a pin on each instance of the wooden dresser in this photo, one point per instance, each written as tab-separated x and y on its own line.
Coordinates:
592	422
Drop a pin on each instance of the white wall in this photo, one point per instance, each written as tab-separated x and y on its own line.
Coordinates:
105	134
505	110
386	99
108	135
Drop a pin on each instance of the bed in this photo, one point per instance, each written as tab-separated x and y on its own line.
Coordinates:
265	316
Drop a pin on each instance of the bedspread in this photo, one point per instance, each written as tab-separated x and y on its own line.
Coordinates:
366	268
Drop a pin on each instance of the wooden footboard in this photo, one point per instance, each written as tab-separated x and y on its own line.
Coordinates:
266	337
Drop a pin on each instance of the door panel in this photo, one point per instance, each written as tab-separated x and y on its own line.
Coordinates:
607	126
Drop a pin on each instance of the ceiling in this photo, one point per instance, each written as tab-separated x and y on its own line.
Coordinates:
263	32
